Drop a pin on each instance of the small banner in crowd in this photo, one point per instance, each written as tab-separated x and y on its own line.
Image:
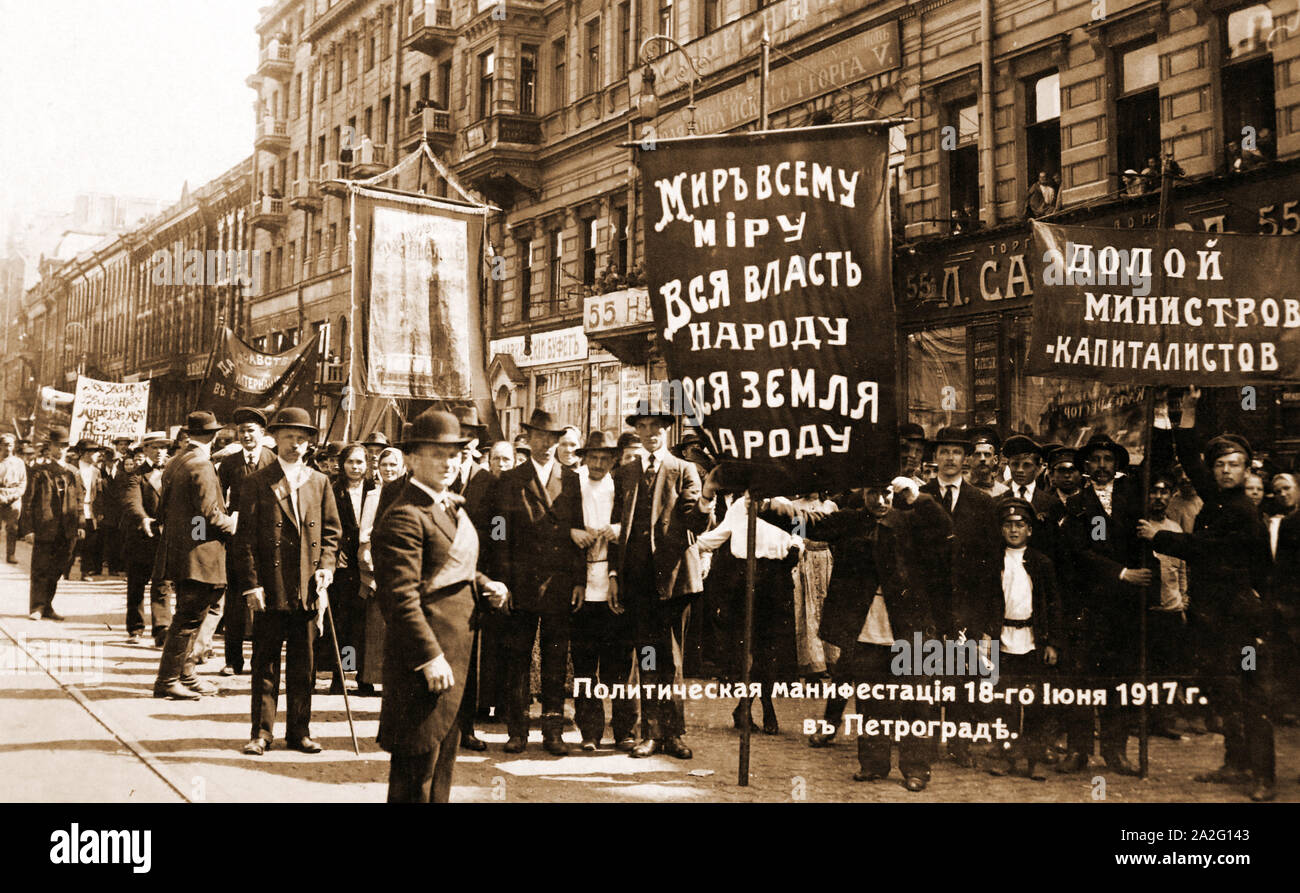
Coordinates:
1165	307
416	285
242	376
102	410
768	259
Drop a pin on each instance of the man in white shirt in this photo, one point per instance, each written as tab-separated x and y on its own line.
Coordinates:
13	481
92	508
601	644
1167	619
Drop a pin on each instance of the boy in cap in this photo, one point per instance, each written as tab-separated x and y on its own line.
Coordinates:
1026	632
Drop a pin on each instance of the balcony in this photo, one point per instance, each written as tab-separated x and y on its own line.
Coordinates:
272	135
500	156
275	61
305	195
331	173
429	29
333	374
369	160
268	213
430	124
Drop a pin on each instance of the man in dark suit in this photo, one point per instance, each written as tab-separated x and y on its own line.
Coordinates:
474	483
1101	535
660	505
250	426
971	564
286	548
426	570
191	554
545	572
51	520
140	540
1227	555
90	548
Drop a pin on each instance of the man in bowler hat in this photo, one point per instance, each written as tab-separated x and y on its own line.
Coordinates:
288	539
426	571
252	457
51	520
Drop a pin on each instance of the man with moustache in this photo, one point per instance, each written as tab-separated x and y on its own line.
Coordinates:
286	548
426	569
252	457
545	573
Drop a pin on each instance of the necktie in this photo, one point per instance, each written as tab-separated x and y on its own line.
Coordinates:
1022	493
452	513
650	472
950	499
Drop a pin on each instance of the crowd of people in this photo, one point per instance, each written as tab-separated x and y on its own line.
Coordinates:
462	578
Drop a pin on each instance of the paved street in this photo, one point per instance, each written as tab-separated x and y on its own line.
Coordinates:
94	733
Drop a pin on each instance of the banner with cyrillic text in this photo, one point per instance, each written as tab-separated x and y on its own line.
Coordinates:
768	263
103	410
240	375
1166	307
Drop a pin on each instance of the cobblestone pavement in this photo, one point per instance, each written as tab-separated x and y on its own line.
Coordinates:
92	731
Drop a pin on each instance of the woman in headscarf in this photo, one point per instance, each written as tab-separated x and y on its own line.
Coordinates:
370	667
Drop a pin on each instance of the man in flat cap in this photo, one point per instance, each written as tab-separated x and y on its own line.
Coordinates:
51	520
985	461
252	457
1227	555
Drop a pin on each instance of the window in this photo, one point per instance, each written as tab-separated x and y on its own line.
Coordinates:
425	81
666	18
525	249
320	150
560	97
620	261
937	369
898	178
406	101
592	54
624	36
528	80
1043	128
338	69
1138	110
384	46
963	161
1249	110
293	261
486	72
368	129
712	15
295	99
444	84
385	112
590	233
370	49
556	259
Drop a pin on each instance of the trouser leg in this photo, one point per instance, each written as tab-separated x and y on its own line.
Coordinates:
555	663
585	645
137	575
202	643
9	523
268	637
236	628
300	640
192	603
520	632
443	766
410	776
469	700
663	626
616	667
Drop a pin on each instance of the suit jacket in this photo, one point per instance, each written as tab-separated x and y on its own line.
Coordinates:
422	622
973	566
116	481
51	503
233	471
188	550
675	520
538	560
140	501
98	493
388	494
347	571
276	550
1100	554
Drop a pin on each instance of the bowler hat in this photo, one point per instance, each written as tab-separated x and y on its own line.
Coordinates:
376	438
628	439
250	414
293	417
201	422
434	426
58	434
598	440
954	436
699	439
1019	444
469	423
1227	443
911	431
541	420
1013	508
1102	442
645	409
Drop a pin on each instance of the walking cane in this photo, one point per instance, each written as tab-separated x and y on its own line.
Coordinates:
338	661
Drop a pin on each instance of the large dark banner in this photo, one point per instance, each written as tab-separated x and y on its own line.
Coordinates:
241	376
416	283
768	261
1165	307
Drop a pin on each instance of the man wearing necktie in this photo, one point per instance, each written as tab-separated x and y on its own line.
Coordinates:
661	505
286	544
250	426
540	502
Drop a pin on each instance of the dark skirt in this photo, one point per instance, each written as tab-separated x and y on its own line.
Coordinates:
775	653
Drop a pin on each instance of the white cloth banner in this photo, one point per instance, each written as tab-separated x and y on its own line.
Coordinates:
102	410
